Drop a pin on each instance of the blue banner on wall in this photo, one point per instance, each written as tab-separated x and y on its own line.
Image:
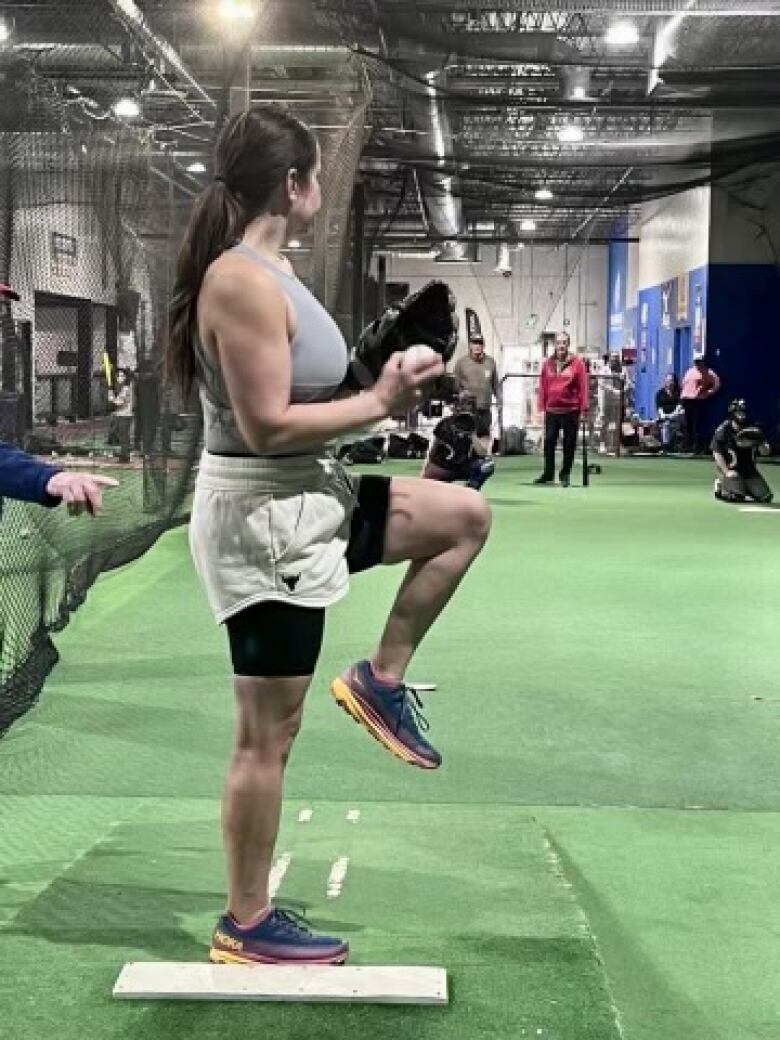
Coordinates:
669	334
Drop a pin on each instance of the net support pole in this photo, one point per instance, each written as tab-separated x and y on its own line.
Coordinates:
381	276
585	471
358	260
240	98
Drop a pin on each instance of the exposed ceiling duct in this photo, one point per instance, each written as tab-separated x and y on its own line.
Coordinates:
427	112
52	56
704	8
427	115
542	48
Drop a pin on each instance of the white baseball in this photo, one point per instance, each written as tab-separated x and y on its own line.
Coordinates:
418	356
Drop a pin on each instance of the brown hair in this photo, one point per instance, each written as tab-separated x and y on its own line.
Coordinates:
255	151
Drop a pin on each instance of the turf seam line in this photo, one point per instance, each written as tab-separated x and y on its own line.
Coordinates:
499	804
556	865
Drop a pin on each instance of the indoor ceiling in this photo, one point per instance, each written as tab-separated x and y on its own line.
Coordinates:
488	120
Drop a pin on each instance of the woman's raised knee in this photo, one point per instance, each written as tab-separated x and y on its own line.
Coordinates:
475	516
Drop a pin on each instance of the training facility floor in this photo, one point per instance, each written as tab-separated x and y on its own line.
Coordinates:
597	857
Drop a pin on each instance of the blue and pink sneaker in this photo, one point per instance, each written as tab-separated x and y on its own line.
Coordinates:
391	713
281	937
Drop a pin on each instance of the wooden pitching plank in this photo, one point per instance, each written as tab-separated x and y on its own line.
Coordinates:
311	983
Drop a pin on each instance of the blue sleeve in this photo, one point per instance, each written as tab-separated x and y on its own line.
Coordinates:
23	477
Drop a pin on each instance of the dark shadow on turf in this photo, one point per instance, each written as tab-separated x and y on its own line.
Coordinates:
510	501
629	970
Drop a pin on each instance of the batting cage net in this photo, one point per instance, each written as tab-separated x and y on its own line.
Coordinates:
523	422
95	191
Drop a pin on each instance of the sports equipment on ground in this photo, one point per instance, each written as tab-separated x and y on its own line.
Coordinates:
308	984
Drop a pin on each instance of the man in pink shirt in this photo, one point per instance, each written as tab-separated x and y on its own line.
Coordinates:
563	397
698	384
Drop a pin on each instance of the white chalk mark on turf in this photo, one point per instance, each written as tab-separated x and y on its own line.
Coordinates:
305	815
766	510
336	877
423	687
353	815
278	870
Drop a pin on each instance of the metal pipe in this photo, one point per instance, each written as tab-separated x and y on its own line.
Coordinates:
358	260
705	8
134	19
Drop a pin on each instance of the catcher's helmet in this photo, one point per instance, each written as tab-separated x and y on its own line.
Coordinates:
738	411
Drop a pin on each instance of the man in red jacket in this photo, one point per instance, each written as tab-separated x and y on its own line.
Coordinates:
563	397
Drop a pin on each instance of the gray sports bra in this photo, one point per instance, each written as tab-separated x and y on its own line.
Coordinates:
319	364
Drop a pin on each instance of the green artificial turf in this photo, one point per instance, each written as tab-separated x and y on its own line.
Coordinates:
610	662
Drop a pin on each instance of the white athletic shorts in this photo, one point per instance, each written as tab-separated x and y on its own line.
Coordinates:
271	529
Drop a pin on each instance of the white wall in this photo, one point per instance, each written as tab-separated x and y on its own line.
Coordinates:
674	236
92	277
555	283
32	266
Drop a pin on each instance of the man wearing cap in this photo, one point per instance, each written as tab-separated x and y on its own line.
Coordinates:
477	377
24	478
699	384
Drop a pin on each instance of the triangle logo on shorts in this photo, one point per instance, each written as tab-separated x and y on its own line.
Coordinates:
291	580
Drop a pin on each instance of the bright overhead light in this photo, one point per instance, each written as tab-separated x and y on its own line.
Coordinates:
579	93
503	260
570	134
196	167
294	243
5	32
528	225
236	10
543	194
127	108
621	34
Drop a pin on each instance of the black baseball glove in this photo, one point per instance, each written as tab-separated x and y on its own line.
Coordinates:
750	437
428	316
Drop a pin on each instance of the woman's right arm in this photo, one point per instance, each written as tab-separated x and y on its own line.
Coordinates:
246	312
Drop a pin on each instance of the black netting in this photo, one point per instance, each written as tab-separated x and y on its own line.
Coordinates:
88	232
92	209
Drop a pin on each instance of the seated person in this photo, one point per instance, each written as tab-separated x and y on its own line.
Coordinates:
734	448
670	412
460	449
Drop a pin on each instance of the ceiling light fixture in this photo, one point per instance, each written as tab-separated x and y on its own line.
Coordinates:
543	194
622	34
127	108
196	167
294	243
528	225
236	10
570	134
503	261
5	32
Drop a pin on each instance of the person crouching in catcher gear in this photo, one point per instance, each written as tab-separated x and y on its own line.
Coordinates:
461	447
735	446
